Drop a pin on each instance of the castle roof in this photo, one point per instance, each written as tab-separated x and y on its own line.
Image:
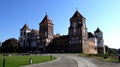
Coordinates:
25	27
76	15
46	20
35	32
90	35
98	30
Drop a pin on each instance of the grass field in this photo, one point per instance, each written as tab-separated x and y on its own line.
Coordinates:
16	61
104	57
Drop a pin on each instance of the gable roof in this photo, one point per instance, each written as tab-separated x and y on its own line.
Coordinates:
76	15
25	27
90	35
98	30
46	20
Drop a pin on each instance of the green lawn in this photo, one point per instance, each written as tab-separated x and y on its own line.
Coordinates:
109	57
16	61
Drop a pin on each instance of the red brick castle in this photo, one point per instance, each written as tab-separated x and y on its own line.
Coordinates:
78	39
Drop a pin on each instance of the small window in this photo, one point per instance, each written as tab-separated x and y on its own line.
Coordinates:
28	34
24	33
79	41
73	42
20	33
74	30
76	41
69	42
21	40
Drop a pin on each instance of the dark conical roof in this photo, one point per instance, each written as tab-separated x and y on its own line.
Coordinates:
25	27
90	35
46	20
98	30
77	15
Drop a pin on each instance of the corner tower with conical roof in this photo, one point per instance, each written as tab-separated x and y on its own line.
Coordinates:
46	31
100	41
24	36
78	33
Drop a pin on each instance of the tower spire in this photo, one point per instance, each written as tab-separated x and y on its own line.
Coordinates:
46	12
76	9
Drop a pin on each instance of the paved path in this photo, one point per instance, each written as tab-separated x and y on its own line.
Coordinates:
66	60
62	61
82	62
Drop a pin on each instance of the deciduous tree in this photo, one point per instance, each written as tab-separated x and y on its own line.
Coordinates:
10	45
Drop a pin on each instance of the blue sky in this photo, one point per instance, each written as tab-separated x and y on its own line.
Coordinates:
104	14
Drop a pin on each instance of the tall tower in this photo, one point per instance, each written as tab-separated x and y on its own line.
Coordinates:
100	42
78	33
46	31
24	36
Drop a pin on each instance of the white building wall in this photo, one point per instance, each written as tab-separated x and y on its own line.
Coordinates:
24	37
100	41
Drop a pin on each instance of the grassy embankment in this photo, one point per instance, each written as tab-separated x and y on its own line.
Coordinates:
16	61
103	57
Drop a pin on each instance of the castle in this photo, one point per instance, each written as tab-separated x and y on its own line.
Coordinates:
78	39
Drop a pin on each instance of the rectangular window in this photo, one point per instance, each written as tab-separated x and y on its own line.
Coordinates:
45	34
76	41
21	40
69	42
74	30
24	33
79	41
73	42
20	33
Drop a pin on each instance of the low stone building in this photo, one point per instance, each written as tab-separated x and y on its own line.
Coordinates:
92	42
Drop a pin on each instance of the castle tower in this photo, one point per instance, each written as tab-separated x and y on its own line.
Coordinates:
46	31
24	36
78	33
100	42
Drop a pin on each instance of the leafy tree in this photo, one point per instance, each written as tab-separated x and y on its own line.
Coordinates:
0	44
0	48
106	49
10	45
110	50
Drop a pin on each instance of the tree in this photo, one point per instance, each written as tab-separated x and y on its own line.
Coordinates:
10	45
0	44
106	49
110	50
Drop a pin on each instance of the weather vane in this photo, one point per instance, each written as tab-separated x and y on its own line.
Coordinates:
76	8
46	12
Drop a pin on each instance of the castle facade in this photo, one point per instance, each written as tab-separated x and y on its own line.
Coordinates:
78	40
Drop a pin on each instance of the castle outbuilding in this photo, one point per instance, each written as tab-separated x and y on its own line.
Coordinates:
78	40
